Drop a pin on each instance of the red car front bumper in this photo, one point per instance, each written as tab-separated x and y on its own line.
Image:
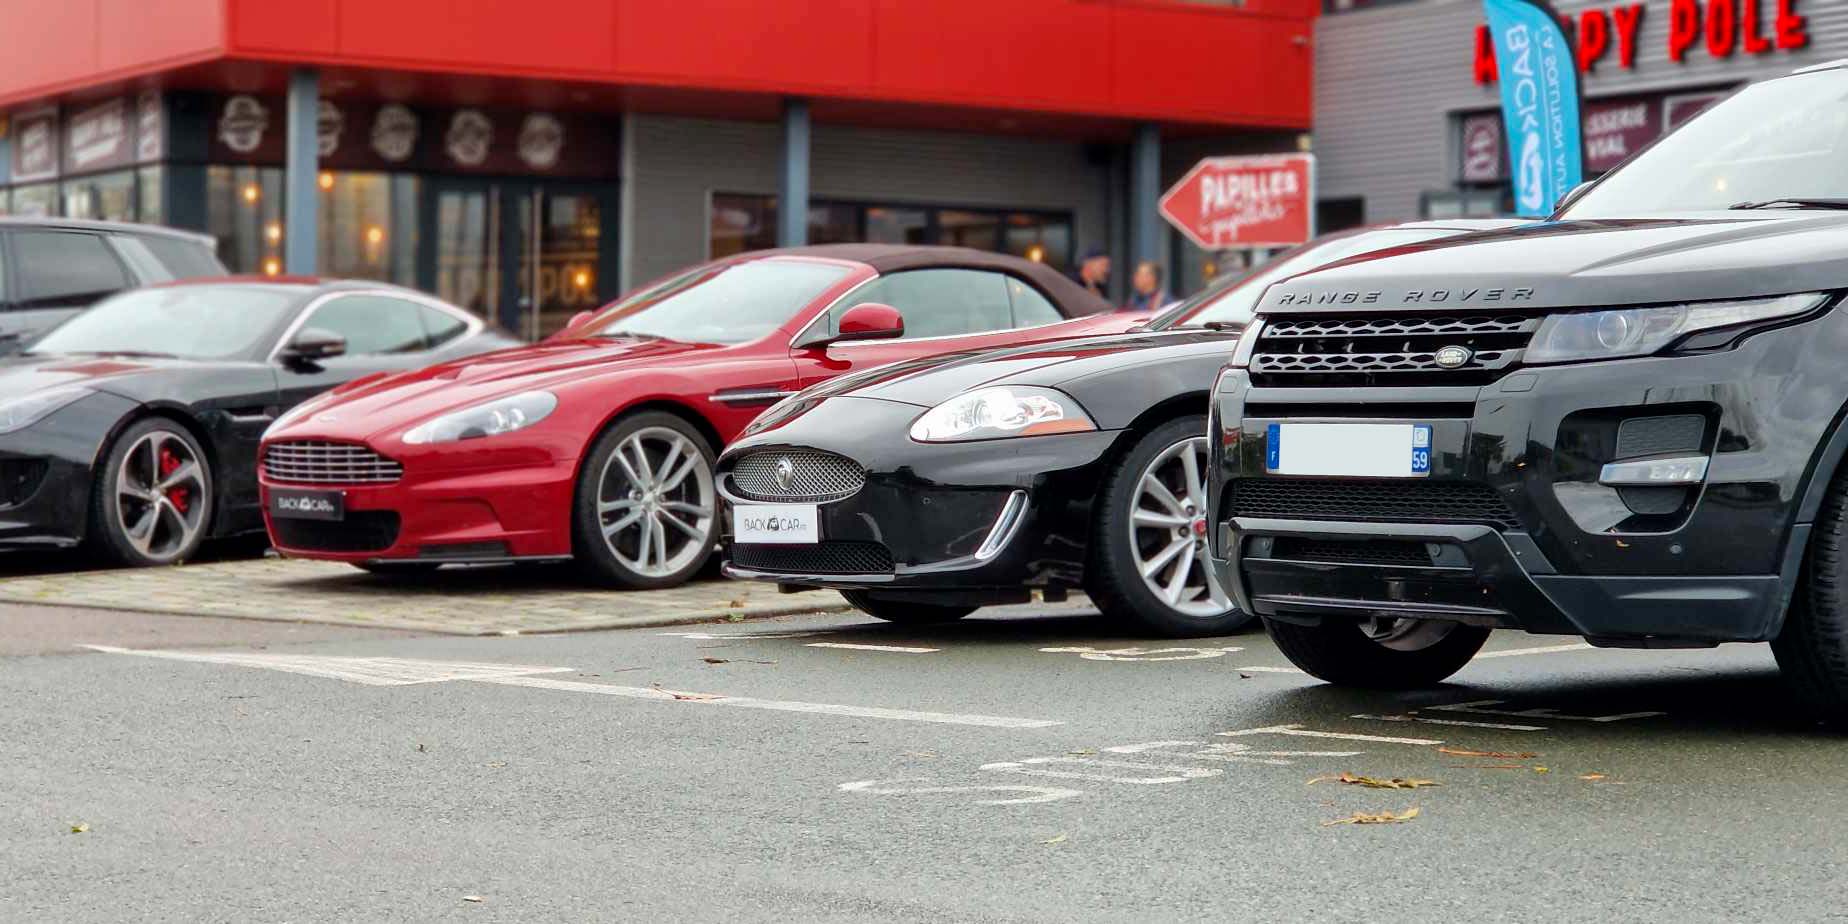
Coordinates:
499	512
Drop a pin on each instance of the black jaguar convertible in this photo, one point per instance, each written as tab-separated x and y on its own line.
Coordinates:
134	426
926	489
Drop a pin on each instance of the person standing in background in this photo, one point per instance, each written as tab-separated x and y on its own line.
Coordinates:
1146	292
1094	272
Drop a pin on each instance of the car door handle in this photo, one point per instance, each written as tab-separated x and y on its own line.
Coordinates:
750	396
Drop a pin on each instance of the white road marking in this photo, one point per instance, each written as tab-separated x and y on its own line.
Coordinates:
1034	793
901	649
1274	670
1478	707
403	672
1547	649
1461	722
1228	752
377	672
746	702
1106	770
1143	654
1300	731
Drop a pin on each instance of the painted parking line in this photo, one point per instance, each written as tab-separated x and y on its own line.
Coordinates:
1273	670
404	672
1299	731
1502	726
1544	649
901	649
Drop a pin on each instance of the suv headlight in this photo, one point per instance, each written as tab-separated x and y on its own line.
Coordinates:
26	410
503	415
1565	338
1001	411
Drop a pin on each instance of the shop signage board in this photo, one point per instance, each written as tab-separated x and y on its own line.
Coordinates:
1225	203
35	145
1540	103
99	137
1717	29
1614	129
1482	149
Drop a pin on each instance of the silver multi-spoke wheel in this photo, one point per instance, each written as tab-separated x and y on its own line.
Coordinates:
655	502
162	493
1402	634
1168	530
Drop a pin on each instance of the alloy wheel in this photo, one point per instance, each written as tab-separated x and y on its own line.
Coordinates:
1402	634
161	495
655	502
1168	530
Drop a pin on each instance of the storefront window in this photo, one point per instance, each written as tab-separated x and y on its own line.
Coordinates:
570	228
368	226
745	222
106	196
37	201
243	209
149	180
6	202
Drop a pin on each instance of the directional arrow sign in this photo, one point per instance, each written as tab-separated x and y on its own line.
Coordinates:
1230	202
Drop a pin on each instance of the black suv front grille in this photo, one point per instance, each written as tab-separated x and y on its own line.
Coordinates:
820	558
1352	552
1310	352
1374	500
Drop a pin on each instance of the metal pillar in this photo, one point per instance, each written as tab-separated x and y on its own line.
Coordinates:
793	204
301	199
1144	192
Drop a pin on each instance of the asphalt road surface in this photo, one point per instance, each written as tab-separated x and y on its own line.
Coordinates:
1015	767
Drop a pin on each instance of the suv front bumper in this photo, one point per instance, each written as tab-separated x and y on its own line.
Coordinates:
1575	557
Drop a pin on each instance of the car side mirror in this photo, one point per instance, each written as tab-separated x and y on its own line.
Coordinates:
868	321
313	344
577	320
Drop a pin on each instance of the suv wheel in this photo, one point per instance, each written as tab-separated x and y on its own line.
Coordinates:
1148	558
1812	647
904	612
1381	652
151	501
646	512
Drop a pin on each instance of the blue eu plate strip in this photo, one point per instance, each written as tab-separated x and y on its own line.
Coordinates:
1273	447
1421	449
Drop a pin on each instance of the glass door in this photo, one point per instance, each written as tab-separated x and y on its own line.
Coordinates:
525	254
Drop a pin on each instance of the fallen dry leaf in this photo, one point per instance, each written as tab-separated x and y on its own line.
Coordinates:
716	660
1374	782
1540	770
736	603
79	828
1504	755
476	899
1055	839
1375	818
1592	776
694	697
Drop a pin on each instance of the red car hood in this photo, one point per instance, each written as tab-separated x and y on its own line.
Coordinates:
369	407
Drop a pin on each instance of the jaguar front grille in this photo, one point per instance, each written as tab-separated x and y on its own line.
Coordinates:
802	475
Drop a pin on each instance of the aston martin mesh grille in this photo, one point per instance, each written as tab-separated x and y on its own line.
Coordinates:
361	531
820	558
318	462
1379	500
799	474
1389	350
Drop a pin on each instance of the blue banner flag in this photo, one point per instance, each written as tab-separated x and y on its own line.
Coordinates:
1540	102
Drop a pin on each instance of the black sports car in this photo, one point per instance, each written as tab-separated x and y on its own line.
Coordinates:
926	489
134	425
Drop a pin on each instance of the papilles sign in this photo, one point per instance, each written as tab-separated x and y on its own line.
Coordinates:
1720	28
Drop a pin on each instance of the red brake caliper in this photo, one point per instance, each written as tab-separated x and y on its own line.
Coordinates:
178	496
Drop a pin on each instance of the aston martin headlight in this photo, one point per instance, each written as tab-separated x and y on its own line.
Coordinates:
1001	411
28	409
1565	338
504	415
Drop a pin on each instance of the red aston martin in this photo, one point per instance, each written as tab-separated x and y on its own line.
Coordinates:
598	444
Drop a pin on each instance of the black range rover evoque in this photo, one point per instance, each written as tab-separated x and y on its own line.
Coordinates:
1625	424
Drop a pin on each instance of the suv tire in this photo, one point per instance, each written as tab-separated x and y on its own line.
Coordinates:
1340	652
1812	646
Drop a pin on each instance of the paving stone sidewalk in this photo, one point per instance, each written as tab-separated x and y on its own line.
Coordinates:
456	601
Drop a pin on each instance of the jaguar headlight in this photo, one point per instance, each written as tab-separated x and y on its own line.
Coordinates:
494	418
1591	335
28	409
1001	411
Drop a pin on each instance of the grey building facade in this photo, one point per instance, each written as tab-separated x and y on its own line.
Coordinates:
1403	127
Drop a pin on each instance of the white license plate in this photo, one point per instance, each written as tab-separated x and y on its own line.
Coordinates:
776	524
1351	450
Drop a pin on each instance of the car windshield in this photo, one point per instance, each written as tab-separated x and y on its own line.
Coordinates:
722	303
188	322
1232	302
1771	142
